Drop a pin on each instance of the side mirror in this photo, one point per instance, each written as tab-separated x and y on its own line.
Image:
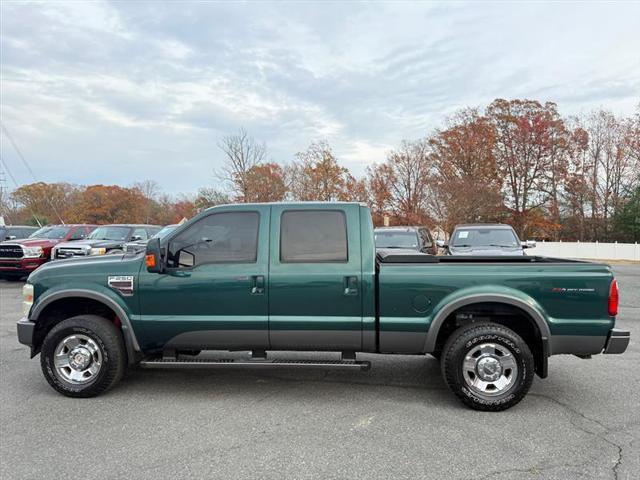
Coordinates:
441	244
529	244
135	238
11	237
153	256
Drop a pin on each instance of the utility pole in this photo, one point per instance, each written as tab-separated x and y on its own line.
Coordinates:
4	195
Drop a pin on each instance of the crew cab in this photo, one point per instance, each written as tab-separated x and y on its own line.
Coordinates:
305	276
18	258
106	239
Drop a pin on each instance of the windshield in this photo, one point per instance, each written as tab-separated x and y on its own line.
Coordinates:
109	233
164	231
51	232
485	237
393	239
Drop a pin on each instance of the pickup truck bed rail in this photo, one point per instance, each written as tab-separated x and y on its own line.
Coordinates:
407	257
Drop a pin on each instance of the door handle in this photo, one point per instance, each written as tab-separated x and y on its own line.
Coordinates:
350	285
257	284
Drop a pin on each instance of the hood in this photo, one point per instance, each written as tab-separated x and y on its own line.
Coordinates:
94	243
35	242
83	269
486	251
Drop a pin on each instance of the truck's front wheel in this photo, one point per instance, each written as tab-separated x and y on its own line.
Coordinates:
488	366
83	356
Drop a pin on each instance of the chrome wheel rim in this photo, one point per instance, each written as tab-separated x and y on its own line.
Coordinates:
489	369
77	359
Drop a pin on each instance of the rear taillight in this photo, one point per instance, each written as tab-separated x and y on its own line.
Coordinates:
613	298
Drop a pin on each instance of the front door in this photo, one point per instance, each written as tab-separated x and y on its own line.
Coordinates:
315	277
214	293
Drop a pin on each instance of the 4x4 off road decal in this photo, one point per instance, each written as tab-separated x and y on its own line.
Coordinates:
122	283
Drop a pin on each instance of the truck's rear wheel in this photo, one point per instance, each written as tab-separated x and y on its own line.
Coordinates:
488	366
83	356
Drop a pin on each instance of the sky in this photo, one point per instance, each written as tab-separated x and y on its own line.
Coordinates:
120	92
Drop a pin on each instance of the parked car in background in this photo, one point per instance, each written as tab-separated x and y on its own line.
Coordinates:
485	239
140	245
105	239
13	232
19	258
407	238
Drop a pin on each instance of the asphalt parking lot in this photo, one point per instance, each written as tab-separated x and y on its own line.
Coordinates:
396	421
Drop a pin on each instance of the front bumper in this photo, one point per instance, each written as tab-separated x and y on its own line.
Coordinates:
26	328
22	266
617	341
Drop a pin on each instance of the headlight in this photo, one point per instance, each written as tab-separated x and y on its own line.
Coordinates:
32	252
27	298
97	251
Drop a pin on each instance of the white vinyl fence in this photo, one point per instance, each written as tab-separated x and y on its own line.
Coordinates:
595	250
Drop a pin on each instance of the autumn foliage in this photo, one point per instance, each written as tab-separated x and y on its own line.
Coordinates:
517	161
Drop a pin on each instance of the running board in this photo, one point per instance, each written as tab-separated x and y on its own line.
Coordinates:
232	363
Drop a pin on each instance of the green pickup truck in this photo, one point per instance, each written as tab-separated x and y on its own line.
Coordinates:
306	277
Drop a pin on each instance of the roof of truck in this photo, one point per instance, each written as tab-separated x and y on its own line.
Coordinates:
481	225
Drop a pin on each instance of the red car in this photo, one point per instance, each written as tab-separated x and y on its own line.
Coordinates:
19	258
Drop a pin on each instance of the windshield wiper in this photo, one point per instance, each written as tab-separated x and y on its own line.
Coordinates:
464	245
499	245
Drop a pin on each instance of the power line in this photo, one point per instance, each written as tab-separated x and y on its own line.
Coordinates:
6	169
26	164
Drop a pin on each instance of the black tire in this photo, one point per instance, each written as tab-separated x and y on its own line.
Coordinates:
466	340
110	342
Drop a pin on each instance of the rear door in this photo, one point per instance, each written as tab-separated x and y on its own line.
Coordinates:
315	277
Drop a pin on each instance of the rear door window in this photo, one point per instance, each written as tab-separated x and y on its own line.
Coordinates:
313	236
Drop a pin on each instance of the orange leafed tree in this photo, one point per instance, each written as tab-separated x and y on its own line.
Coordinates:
316	175
530	138
467	180
101	204
264	183
47	201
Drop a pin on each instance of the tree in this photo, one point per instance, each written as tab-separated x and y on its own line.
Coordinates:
316	175
209	197
576	188
50	201
626	222
380	179
107	204
468	185
242	153
265	183
149	190
527	152
410	179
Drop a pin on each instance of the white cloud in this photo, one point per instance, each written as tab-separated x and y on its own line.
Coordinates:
137	86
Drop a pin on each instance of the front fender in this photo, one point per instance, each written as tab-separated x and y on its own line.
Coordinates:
97	292
483	294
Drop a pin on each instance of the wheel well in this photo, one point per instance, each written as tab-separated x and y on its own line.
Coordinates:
507	315
64	308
